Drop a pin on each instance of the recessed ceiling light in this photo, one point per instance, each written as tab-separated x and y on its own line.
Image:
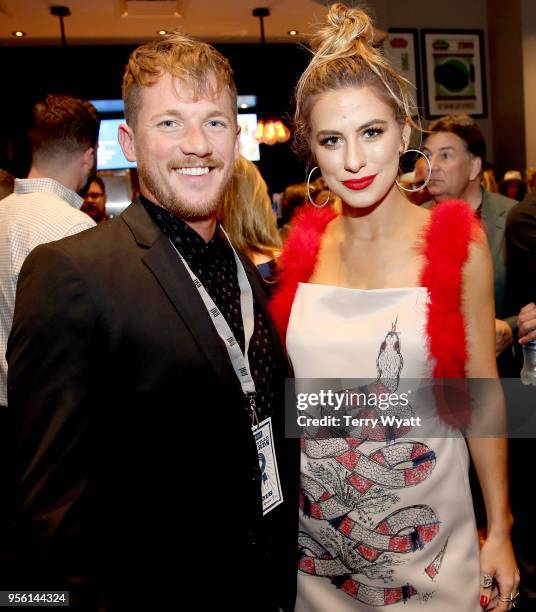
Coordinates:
244	106
292	32
162	32
18	34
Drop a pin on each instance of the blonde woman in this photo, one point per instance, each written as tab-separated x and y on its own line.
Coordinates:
488	181
247	216
382	292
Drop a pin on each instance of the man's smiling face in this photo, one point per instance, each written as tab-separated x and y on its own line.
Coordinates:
185	148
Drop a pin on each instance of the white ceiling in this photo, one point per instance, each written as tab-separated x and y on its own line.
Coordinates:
132	21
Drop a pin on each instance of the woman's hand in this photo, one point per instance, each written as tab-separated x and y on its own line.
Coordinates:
497	560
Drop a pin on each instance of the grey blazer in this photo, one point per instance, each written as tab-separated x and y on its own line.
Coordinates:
495	208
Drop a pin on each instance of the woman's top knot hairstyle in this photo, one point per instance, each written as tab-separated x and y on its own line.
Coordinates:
344	56
343	29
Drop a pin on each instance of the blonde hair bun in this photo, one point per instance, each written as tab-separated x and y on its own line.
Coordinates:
343	29
344	56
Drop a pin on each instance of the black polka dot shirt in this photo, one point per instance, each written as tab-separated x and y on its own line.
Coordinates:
214	264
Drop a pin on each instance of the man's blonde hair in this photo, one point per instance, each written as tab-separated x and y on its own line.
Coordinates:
196	64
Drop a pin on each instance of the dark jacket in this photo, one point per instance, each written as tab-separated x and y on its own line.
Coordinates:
521	248
135	474
495	209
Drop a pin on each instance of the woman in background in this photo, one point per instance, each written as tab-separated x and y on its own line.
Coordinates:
247	216
386	291
489	182
294	197
513	186
531	180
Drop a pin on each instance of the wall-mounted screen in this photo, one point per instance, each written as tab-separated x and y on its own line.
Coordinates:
105	107
109	154
247	101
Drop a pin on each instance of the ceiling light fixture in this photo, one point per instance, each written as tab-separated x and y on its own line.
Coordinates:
292	32
261	13
61	12
18	33
162	32
269	131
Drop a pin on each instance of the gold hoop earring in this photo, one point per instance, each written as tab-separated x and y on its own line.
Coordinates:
309	191
427	178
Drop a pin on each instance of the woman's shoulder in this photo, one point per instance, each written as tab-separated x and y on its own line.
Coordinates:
298	260
309	222
449	242
447	208
452	208
453	223
308	226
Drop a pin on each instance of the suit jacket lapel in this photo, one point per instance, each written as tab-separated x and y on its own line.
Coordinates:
161	258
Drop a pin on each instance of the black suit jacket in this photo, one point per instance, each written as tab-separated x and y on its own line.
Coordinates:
521	249
135	474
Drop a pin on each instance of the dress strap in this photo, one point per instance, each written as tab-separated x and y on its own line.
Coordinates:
450	232
446	245
298	261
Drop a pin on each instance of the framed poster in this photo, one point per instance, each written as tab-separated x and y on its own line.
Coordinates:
454	72
401	48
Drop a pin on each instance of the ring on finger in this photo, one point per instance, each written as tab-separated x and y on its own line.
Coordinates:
507	600
486	580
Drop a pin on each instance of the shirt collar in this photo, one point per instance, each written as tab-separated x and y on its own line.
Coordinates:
178	229
478	211
48	185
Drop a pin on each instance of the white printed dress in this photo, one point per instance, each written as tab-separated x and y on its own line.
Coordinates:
384	523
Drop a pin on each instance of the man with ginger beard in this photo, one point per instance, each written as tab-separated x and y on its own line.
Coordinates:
138	420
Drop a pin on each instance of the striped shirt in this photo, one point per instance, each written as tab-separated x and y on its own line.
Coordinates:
40	210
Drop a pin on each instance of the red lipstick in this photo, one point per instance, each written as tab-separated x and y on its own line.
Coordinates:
361	183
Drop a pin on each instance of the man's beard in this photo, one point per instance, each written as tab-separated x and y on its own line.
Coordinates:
175	204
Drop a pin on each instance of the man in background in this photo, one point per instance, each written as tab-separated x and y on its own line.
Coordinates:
45	206
521	248
457	152
147	380
521	269
95	200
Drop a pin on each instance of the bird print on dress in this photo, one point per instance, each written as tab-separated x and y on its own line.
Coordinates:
350	486
390	362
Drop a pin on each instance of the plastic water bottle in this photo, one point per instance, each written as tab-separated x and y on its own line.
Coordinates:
528	373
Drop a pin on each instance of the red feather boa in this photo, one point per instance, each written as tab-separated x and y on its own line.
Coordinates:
445	247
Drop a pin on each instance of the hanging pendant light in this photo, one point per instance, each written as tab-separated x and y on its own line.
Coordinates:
269	131
61	12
